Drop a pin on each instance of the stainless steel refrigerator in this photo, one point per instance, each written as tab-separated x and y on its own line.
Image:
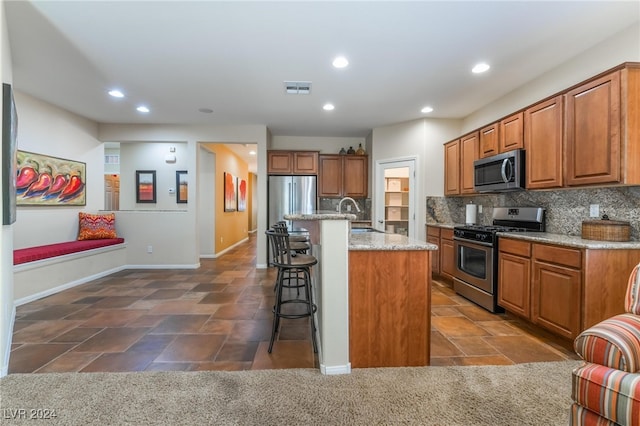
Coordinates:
290	194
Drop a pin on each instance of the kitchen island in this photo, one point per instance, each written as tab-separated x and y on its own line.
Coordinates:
373	295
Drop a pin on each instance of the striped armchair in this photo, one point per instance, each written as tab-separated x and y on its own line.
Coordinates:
606	389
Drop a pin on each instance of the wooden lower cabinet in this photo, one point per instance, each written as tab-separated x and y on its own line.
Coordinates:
447	254
389	308
562	289
514	282
433	237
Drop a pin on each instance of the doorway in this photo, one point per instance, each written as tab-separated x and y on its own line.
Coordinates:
395	196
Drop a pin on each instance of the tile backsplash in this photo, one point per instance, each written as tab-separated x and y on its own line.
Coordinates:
564	209
363	203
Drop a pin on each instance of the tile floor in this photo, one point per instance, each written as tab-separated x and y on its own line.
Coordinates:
218	317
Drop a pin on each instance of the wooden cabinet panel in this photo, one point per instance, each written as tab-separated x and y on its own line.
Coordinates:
355	176
292	162
279	162
305	163
593	132
543	142
447	253
489	140
468	154
557	298
389	308
433	237
330	177
519	248
511	135
514	283
452	168
559	255
343	176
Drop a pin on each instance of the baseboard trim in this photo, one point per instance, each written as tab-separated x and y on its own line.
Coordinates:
5	360
220	253
67	286
191	266
335	369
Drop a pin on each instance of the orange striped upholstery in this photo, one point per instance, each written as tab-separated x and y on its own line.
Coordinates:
606	389
632	299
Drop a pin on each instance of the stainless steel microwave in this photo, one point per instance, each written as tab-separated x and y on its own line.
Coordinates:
500	173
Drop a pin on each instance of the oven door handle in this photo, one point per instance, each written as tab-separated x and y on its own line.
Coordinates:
470	242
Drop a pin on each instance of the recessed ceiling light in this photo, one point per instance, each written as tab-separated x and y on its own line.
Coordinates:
328	107
205	110
142	108
480	68
252	153
340	62
116	93
426	109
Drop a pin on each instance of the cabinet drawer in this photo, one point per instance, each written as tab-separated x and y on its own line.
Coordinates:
433	231
520	248
558	255
446	234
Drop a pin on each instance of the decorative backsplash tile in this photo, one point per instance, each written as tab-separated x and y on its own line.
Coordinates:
363	203
564	209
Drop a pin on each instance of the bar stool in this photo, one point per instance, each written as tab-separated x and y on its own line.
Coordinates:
294	271
298	243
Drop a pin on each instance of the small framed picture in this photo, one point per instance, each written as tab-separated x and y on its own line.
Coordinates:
145	186
182	186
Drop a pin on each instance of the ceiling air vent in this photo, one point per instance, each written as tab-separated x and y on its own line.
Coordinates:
297	87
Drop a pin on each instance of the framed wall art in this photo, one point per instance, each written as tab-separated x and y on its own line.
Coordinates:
9	155
242	195
230	199
145	186
182	186
43	180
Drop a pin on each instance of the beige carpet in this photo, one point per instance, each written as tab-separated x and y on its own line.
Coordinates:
525	394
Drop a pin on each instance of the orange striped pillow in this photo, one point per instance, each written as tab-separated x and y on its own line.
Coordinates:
96	226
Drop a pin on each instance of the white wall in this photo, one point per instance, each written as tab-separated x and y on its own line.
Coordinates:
49	130
151	156
423	139
188	238
622	47
7	313
326	145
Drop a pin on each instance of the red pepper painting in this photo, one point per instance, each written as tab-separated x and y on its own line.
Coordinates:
230	200
242	195
42	180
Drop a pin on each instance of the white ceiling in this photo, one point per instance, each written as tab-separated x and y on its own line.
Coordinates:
233	57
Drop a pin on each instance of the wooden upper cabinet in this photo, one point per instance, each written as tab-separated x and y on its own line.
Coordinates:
355	176
452	168
468	154
592	150
511	135
543	139
489	143
292	162
343	176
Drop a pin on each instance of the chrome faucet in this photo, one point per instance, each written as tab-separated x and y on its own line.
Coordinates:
350	199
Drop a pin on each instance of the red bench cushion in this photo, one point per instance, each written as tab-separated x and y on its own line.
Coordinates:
31	254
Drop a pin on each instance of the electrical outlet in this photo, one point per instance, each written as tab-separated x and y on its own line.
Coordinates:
594	210
149	249
348	207
479	208
221	239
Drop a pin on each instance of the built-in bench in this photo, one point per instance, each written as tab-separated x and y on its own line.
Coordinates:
43	270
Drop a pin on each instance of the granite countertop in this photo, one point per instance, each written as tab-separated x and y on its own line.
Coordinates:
383	241
444	225
321	215
570	241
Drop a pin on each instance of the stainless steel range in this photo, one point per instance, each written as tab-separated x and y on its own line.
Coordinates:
476	252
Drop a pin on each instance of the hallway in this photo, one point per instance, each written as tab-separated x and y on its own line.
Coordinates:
218	317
